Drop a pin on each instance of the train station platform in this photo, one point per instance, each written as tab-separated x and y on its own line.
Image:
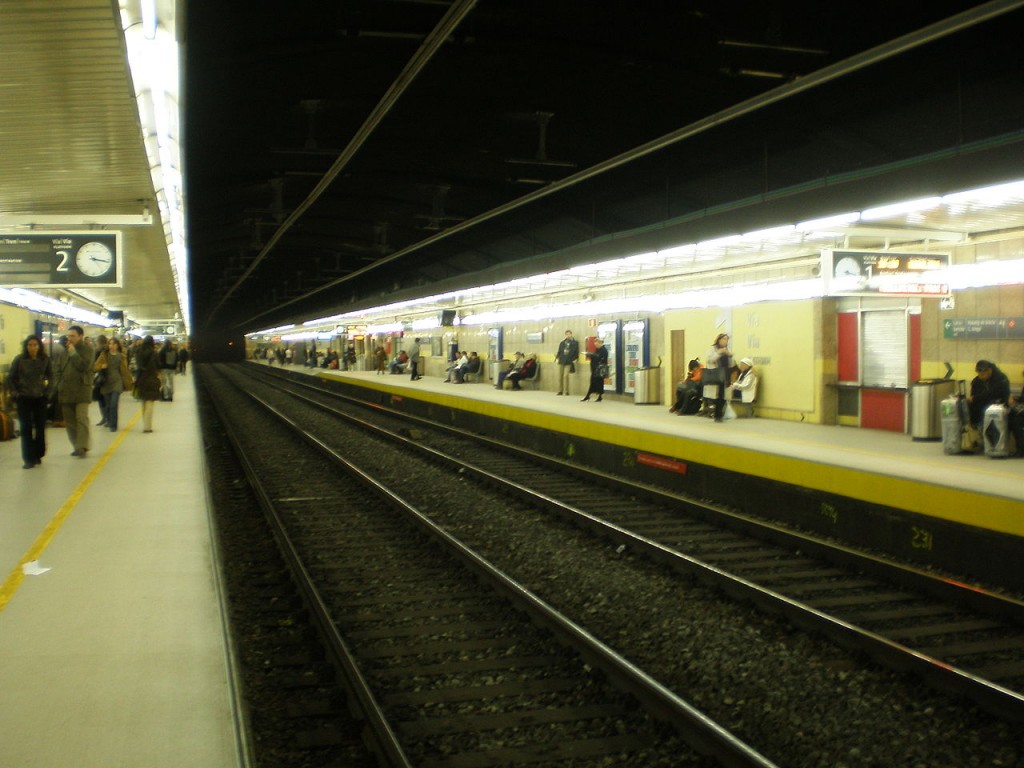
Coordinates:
880	489
112	642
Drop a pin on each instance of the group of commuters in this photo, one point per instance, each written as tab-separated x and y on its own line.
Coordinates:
520	369
568	354
463	365
78	373
704	388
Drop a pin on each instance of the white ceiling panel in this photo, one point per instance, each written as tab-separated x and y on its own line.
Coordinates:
71	142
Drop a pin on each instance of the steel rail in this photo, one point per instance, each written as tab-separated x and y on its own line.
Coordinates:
941	675
700	731
966	595
382	740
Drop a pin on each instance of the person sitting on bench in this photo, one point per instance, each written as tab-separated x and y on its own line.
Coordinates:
527	371
745	387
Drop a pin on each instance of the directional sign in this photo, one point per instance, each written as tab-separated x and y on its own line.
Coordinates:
67	259
999	328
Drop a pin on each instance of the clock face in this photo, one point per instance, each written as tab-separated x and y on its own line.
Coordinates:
94	259
847	267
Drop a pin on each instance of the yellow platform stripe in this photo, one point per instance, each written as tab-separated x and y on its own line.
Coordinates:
980	510
16	576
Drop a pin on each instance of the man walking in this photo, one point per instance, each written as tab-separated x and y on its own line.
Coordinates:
566	357
74	390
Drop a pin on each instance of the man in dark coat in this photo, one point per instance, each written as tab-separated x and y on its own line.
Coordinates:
566	357
74	390
989	386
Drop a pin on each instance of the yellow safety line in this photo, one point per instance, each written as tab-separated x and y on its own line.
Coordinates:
959	505
16	576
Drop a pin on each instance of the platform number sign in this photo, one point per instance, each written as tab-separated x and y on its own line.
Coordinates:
67	259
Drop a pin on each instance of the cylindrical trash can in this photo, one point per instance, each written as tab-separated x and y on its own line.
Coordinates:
647	386
926	396
496	367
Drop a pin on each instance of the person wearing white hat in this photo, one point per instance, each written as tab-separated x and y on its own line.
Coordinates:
745	387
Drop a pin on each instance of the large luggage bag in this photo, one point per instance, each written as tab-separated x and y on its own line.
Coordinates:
956	421
951	426
996	431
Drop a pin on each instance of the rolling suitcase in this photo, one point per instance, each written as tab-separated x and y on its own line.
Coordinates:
950	426
955	419
995	431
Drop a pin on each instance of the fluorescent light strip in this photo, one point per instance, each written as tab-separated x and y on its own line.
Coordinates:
36	302
995	273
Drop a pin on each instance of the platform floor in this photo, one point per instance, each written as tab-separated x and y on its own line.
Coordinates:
116	654
881	467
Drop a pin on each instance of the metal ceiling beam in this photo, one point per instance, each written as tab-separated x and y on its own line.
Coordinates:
433	42
901	45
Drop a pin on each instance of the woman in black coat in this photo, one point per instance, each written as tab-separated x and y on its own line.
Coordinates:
31	380
598	370
147	380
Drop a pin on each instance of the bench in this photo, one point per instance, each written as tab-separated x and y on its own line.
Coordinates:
470	376
533	378
744	409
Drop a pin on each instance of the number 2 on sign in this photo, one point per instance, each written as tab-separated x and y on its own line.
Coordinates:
921	539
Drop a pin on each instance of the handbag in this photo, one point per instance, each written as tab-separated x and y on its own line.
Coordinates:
713	377
970	439
602	371
97	384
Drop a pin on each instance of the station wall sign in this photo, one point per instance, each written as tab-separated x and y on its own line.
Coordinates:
987	328
884	273
65	260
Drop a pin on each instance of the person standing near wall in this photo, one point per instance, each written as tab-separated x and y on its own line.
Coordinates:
414	360
566	357
598	371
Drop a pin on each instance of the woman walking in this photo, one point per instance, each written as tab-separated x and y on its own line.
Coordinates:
717	373
32	382
148	380
598	371
113	364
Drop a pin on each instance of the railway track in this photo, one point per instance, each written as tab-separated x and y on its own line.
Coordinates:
957	637
451	662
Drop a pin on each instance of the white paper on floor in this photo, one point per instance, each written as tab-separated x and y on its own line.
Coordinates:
32	568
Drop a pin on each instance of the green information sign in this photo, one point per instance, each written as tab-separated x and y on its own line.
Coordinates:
987	328
68	260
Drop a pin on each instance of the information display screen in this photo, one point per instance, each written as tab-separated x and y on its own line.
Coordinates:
68	259
874	273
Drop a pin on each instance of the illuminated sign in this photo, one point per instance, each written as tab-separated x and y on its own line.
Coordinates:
66	260
884	273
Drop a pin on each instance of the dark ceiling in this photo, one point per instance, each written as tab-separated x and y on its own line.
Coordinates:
520	96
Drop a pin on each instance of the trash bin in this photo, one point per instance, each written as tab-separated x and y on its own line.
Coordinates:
647	386
926	396
496	367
